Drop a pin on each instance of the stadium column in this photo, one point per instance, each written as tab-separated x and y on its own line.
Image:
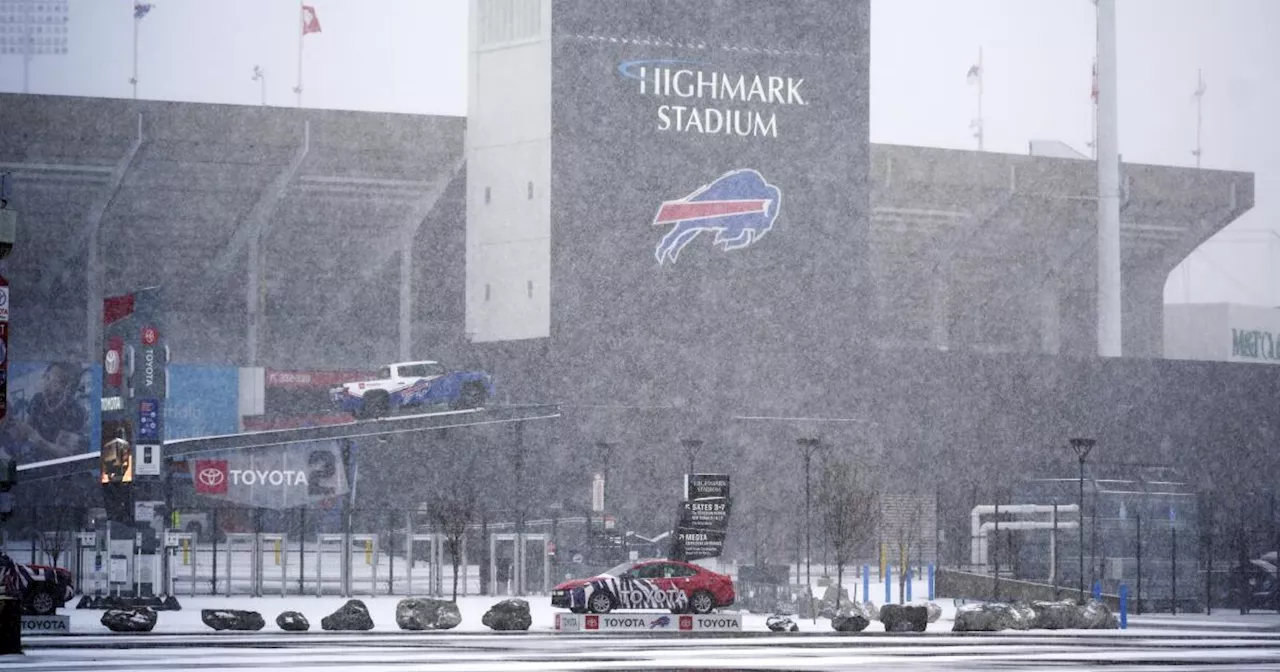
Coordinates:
93	265
940	304
406	296
1109	334
1050	316
259	221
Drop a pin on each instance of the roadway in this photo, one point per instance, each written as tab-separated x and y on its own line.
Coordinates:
1115	651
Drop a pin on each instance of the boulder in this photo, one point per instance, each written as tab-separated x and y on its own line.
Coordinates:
1096	615
993	617
170	604
904	618
292	621
351	616
87	602
510	614
1024	617
129	620
871	610
935	611
850	623
852	618
779	623
232	619
426	614
1055	615
827	607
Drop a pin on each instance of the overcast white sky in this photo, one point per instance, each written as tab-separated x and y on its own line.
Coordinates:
410	56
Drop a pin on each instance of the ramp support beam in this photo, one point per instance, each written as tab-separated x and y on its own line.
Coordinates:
93	264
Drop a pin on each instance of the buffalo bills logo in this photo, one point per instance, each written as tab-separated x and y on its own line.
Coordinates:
739	207
660	622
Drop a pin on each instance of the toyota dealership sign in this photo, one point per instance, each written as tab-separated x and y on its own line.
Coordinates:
276	477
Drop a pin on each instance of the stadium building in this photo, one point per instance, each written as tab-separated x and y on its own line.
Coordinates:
669	230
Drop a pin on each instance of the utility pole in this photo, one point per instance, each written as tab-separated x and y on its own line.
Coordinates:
1082	447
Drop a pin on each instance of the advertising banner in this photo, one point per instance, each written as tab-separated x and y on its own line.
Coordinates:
648	622
53	411
135	386
203	401
275	477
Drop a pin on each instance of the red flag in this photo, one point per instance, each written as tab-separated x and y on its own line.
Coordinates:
310	24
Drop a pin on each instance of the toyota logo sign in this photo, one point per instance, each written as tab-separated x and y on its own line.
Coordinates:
211	477
113	362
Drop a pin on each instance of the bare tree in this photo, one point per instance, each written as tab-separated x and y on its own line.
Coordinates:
59	533
451	510
849	512
908	535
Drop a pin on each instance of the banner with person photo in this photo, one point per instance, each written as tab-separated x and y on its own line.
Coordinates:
54	411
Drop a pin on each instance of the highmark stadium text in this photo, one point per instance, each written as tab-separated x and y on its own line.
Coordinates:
656	78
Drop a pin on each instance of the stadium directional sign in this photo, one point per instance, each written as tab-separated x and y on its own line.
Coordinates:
704	517
705	514
706	486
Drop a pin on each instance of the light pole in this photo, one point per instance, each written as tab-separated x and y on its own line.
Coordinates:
260	76
691	448
808	446
1082	448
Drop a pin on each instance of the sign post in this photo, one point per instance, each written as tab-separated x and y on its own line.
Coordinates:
703	518
4	347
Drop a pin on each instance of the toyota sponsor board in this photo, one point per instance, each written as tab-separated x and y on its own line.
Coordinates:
46	625
648	622
275	477
134	363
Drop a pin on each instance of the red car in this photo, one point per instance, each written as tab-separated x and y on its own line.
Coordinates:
43	590
648	584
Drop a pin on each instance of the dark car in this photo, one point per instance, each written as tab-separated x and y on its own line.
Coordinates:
649	584
42	589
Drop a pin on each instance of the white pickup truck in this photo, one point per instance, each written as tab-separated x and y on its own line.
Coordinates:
424	383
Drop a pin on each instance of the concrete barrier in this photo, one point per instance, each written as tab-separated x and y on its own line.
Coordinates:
965	585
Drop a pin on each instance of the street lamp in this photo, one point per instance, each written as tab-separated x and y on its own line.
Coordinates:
691	448
1082	448
808	446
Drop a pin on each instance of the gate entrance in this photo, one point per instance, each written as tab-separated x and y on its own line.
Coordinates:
519	563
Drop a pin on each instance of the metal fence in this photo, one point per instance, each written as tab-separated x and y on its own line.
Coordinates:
259	552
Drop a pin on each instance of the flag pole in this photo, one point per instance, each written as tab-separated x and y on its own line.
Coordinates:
134	79
1199	112
298	26
982	74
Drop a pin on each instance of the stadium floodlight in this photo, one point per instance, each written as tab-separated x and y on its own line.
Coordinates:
31	28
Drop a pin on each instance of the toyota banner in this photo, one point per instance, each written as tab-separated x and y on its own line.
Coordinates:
274	477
